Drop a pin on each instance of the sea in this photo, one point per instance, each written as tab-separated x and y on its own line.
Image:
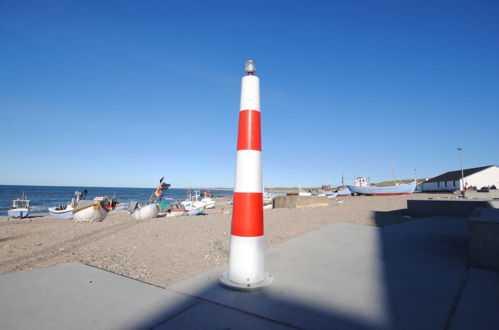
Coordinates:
43	197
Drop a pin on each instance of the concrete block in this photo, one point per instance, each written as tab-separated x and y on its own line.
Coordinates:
472	194
452	208
299	201
477	308
484	238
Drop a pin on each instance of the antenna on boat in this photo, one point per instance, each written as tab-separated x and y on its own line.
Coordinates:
393	169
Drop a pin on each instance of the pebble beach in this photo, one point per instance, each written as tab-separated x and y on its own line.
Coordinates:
163	251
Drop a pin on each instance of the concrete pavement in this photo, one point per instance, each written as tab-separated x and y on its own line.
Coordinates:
409	276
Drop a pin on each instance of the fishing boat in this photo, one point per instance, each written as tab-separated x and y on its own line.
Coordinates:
90	211
170	207
20	208
151	209
325	193
401	189
208	200
66	211
198	211
192	208
304	193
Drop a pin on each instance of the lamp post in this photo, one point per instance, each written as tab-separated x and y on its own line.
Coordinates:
462	171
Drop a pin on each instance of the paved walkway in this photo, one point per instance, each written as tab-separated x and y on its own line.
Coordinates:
409	276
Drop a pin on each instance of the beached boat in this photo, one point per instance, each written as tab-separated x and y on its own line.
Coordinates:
66	211
89	211
20	208
198	211
401	189
325	193
176	210
192	208
61	211
304	193
151	209
170	207
208	200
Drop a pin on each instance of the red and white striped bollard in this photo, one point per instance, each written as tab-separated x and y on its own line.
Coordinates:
246	254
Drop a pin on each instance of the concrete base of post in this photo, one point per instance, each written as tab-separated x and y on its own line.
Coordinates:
226	282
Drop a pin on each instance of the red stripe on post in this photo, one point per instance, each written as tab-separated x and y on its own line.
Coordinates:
249	137
247	214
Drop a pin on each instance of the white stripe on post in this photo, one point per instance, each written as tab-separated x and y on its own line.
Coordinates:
248	171
247	261
250	93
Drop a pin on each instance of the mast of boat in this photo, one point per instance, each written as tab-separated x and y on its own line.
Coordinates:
393	169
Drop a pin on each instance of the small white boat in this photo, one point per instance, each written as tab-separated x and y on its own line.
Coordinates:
61	211
176	212
304	193
66	211
20	208
193	208
197	211
89	211
209	202
401	189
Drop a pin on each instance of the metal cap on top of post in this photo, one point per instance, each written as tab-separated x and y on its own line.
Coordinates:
246	255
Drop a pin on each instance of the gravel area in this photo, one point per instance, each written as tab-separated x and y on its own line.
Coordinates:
163	251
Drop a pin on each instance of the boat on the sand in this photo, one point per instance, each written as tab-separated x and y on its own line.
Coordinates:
151	209
20	208
66	211
170	207
401	189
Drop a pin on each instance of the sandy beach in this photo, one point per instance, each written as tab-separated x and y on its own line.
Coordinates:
163	251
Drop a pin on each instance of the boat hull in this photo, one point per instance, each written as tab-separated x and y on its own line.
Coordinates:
61	214
121	206
146	212
93	212
18	213
402	189
176	213
209	203
195	212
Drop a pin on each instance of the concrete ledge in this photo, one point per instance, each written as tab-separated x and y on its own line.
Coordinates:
299	201
483	244
453	208
472	194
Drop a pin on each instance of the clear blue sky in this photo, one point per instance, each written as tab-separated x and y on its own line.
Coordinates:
121	93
